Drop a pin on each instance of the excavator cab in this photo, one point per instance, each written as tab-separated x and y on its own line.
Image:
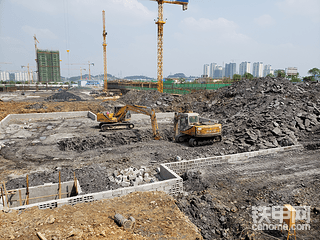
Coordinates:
118	108
187	120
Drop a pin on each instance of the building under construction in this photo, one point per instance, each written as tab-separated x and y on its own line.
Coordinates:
48	66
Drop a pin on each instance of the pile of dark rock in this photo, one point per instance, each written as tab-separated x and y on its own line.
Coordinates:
255	114
111	140
63	96
266	112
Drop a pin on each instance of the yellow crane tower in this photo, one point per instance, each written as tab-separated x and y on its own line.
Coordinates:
104	34
160	24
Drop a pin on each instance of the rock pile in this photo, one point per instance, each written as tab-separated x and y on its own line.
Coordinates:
132	176
63	96
255	114
115	139
266	112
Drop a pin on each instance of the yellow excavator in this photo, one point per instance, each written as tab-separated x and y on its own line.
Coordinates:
121	117
198	131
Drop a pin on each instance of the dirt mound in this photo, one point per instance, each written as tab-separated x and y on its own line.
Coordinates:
63	96
155	213
36	106
111	140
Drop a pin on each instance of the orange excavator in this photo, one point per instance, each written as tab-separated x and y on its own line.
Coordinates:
121	117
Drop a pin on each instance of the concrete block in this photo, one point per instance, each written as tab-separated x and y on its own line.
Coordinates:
147	179
132	177
111	179
125	184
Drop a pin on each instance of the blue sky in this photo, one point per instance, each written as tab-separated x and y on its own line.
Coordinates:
283	33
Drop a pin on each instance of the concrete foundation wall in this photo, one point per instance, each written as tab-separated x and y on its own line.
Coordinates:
41	193
172	186
41	116
172	183
182	166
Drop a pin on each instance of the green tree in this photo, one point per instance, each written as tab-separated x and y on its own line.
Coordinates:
270	75
236	77
294	78
314	72
309	78
248	76
280	73
182	80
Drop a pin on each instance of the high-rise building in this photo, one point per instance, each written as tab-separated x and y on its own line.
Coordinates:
244	67
212	68
4	76
257	69
230	69
292	71
48	66
218	72
267	70
206	70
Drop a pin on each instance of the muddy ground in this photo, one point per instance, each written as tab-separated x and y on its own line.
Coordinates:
259	114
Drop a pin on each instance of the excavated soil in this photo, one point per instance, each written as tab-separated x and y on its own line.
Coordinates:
155	213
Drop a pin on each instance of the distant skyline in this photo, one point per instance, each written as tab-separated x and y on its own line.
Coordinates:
283	33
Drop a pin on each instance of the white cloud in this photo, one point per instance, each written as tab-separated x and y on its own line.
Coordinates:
220	28
41	33
265	20
309	8
122	11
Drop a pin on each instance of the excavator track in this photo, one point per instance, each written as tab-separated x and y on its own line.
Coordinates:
194	142
106	127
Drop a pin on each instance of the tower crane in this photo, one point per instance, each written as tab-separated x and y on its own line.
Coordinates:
36	49
160	24
104	34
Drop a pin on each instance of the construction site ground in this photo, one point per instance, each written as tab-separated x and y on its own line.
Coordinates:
217	200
